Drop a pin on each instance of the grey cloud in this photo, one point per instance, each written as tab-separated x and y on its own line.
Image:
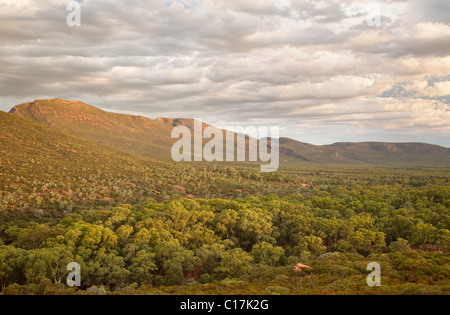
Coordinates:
254	61
321	11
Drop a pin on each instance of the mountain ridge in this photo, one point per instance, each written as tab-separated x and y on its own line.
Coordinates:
152	137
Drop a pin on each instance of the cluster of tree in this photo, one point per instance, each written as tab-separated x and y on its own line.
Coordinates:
336	231
39	188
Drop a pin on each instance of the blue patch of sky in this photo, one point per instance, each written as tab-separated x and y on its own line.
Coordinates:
396	91
432	81
188	4
400	92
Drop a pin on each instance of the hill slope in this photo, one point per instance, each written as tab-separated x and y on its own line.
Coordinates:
153	137
131	133
378	153
45	169
22	141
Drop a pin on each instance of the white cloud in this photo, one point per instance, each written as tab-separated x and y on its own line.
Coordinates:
423	89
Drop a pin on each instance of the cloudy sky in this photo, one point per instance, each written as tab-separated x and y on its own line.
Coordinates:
325	71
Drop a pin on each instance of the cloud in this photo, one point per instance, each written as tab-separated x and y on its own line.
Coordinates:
292	62
423	89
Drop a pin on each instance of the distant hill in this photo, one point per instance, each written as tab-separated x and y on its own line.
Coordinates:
378	153
152	137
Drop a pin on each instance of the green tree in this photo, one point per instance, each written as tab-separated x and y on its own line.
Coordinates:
400	245
49	263
235	264
365	241
105	269
140	262
209	256
268	254
119	216
174	261
34	236
12	265
423	233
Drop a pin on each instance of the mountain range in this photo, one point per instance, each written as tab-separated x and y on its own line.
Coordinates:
152	137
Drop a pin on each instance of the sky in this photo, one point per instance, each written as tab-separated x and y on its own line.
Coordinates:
324	71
